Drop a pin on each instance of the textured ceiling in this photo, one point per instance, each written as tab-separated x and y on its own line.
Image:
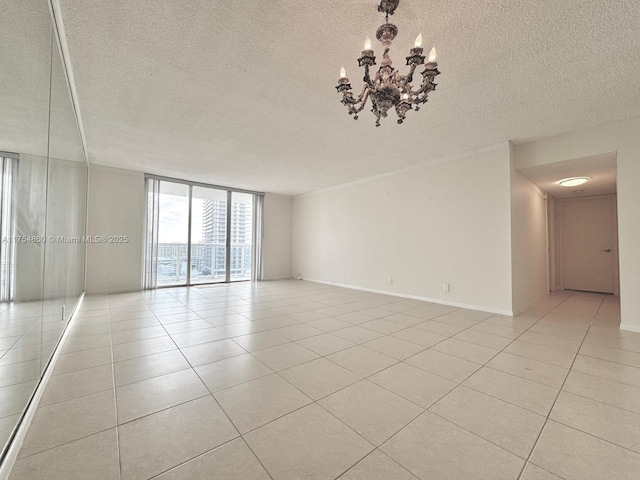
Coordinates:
601	170
241	93
25	69
36	114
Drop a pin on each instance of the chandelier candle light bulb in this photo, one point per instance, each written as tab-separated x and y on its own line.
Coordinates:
387	88
432	55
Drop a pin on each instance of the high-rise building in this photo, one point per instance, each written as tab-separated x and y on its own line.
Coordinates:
211	258
214	221
214	227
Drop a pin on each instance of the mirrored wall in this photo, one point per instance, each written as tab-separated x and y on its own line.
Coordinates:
43	192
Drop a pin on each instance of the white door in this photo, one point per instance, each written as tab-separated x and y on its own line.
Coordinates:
588	250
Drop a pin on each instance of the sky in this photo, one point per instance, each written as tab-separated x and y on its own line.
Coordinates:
174	219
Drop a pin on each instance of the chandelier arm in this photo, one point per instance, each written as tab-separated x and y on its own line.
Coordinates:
362	98
420	91
424	97
409	76
412	93
363	103
367	77
426	87
347	97
356	105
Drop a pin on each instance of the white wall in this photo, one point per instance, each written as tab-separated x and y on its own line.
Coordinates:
623	138
528	242
116	207
276	243
448	222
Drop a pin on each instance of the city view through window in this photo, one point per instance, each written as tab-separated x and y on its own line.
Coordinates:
209	222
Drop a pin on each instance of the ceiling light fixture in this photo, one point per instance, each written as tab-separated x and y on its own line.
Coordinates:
388	88
573	182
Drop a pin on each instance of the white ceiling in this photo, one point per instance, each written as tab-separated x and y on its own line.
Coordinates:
601	170
241	93
25	70
36	114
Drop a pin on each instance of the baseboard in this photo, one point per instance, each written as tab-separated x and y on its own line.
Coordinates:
481	308
106	291
23	426
629	328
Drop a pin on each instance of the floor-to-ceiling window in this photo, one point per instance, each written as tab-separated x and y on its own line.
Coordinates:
173	234
199	234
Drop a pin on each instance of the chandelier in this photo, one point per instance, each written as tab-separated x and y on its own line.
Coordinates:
388	88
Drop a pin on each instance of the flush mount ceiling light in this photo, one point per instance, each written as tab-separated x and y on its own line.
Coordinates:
573	182
388	88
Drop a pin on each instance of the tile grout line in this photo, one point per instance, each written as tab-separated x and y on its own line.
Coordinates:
460	383
443	396
226	415
634	452
377	449
544	425
612	361
224	412
91	434
115	396
324	356
608	380
313	402
367	377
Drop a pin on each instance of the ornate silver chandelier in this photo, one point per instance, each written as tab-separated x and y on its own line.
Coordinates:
388	88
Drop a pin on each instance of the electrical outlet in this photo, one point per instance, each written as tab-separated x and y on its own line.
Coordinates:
390	280
445	287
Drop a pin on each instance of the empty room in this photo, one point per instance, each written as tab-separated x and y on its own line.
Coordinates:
355	240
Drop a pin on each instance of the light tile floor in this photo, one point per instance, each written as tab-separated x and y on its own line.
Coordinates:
292	380
29	332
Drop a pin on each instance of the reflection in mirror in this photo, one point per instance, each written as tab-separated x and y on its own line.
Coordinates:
66	212
25	49
42	196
